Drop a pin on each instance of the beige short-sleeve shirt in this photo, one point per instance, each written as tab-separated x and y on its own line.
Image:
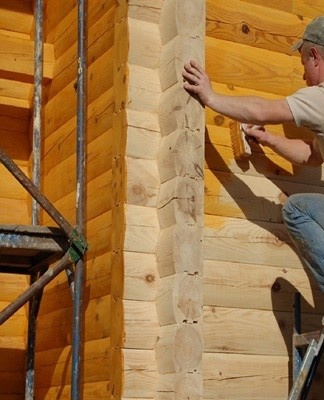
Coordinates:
307	107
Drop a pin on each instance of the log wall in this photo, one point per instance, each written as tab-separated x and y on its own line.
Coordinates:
14	139
53	349
251	269
188	292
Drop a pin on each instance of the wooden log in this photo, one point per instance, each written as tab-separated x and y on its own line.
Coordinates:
256	25
140	373
56	115
286	6
60	144
54	365
141	276
66	66
179	18
301	7
180	154
179	110
61	26
142	182
135	140
179	348
143	89
175	54
234	376
149	11
142	119
141	325
12	383
15	95
179	250
91	390
180	201
19	61
179	299
54	329
98	162
180	385
240	196
144	43
260	286
239	62
253	251
16	11
242	331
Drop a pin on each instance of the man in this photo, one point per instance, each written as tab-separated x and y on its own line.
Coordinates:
303	214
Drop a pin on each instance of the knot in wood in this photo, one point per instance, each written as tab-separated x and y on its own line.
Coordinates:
219	120
245	29
150	278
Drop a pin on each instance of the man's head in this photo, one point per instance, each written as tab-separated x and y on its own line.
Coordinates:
311	48
314	33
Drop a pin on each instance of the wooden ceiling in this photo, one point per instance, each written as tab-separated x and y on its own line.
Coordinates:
17	57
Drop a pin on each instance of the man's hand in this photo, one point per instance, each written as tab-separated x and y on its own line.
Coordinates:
197	81
256	133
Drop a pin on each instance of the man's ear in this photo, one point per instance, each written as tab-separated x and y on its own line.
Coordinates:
314	55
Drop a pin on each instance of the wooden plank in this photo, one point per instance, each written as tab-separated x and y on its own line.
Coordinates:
174	251
13	94
141	325
253	243
308	9
98	282
140	374
251	67
144	43
61	143
252	197
61	27
263	287
141	276
142	182
255	25
54	329
147	10
14	211
13	359
91	391
276	4
244	377
56	115
143	89
18	62
241	331
12	383
14	11
65	71
54	365
64	172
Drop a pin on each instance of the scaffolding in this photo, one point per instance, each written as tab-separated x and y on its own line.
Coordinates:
42	252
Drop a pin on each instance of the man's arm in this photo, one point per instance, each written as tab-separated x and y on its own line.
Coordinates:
246	109
297	151
256	111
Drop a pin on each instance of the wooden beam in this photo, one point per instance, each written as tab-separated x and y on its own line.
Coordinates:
17	59
13	11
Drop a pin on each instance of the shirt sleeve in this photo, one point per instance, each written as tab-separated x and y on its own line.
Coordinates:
307	107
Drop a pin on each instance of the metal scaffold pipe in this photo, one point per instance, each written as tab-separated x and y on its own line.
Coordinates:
80	198
37	112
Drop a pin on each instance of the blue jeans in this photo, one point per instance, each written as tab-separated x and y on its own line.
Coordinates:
303	215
